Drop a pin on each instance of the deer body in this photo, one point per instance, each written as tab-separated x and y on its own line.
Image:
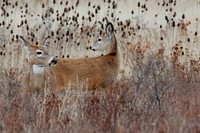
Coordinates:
78	70
98	72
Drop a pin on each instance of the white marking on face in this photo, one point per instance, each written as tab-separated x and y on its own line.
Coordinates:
38	69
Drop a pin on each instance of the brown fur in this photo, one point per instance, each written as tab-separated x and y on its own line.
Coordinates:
97	73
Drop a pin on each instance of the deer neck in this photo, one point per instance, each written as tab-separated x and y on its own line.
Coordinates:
37	69
114	49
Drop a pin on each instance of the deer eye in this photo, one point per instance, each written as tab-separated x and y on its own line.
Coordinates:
39	53
99	39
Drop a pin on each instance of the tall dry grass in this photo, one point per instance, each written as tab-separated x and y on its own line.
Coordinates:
158	85
160	96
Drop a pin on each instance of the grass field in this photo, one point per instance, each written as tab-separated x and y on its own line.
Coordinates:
157	88
158	97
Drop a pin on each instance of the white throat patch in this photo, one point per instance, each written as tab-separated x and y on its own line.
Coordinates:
37	69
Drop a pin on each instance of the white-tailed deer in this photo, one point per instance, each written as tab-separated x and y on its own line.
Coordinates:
98	72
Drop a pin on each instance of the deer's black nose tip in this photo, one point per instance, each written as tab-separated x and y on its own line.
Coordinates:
92	48
54	61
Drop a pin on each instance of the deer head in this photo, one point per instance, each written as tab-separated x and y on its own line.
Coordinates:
39	58
106	40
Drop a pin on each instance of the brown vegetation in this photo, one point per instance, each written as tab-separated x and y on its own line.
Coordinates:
158	98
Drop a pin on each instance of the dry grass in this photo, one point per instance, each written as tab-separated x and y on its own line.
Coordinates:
159	97
154	94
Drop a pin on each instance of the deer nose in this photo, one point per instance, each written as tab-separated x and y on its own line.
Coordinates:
92	48
54	61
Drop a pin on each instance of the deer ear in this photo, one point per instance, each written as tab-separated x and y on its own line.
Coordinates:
109	29
46	42
27	44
